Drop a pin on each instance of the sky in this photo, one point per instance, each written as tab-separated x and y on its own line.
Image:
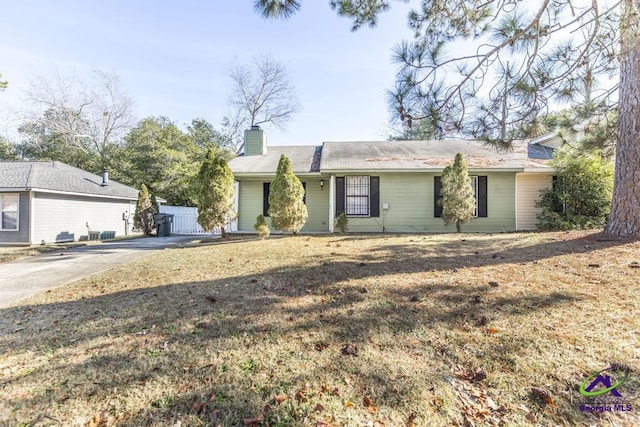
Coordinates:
174	58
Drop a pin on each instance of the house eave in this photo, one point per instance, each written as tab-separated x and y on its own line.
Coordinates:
71	193
545	170
419	170
273	174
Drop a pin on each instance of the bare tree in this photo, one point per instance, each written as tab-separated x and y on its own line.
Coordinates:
89	118
262	94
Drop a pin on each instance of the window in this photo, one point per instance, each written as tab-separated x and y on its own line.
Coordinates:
266	186
474	186
9	211
479	185
358	196
357	193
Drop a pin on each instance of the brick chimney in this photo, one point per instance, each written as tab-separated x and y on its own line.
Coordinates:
255	142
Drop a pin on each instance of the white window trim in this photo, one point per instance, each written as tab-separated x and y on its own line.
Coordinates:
474	186
346	196
2	195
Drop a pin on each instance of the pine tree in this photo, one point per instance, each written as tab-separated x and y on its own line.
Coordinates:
217	191
143	218
529	57
286	199
458	201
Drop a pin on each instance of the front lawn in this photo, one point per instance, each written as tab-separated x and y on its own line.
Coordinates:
363	330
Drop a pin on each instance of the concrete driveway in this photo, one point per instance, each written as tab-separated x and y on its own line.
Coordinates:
29	276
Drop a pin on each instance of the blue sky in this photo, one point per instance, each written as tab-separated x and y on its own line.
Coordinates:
173	59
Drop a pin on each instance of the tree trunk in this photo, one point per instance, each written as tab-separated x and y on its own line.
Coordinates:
624	219
458	226
223	232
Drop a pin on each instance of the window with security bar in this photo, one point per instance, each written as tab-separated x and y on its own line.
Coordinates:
357	190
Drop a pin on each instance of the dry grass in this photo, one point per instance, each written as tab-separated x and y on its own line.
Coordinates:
332	330
11	253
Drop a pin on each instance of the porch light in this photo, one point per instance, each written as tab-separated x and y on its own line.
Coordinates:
322	184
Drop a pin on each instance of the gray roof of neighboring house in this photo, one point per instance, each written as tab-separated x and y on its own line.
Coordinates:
304	159
415	155
58	176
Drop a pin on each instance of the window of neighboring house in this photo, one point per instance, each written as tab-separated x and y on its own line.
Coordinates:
479	185
9	211
265	197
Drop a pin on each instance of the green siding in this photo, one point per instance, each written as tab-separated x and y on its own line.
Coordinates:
250	204
317	205
410	198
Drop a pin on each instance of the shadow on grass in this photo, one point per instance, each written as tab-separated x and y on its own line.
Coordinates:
238	315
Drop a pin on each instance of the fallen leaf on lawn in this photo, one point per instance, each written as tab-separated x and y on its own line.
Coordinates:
348	404
197	407
473	375
549	401
369	404
378	423
541	393
491	404
492	330
266	408
253	422
320	345
411	422
301	396
280	398
322	423
350	349
335	392
324	388
101	420
319	408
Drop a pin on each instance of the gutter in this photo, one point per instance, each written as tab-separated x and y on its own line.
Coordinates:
423	170
273	174
70	193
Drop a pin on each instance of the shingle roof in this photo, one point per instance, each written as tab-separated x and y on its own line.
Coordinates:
58	176
304	159
414	155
